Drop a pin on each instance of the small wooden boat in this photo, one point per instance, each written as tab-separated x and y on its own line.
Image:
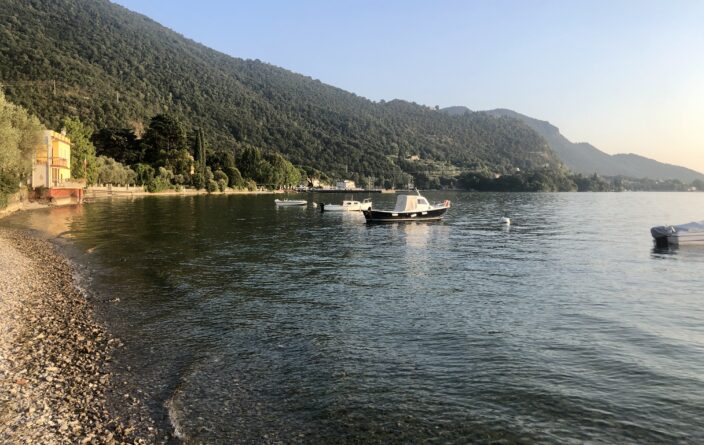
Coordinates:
691	233
409	208
347	206
290	202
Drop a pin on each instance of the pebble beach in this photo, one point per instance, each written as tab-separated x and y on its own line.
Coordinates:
56	386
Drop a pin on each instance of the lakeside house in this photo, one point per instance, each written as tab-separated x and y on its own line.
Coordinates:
52	160
51	169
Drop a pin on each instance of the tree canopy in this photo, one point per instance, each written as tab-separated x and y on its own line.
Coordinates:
19	137
83	164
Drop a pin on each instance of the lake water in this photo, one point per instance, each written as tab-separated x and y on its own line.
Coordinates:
248	323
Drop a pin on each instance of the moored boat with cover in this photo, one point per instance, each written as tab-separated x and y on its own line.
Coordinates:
409	208
691	233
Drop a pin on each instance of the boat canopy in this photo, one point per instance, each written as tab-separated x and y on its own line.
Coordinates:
697	226
411	203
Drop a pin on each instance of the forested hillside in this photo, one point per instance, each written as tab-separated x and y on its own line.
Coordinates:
113	68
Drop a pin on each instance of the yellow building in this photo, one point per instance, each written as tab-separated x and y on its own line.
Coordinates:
52	162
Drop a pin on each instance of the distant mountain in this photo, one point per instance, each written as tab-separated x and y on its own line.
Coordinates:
114	68
586	159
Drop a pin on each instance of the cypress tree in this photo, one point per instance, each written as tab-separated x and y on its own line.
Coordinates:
199	158
201	151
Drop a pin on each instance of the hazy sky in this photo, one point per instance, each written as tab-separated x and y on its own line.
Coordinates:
626	76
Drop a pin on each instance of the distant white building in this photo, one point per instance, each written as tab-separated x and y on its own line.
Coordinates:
345	185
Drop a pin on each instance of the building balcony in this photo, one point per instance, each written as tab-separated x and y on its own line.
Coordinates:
59	162
55	162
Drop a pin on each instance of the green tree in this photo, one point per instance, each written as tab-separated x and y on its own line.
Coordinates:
592	183
219	176
19	137
249	162
120	144
179	162
112	172
200	158
225	161
164	138
198	179
82	150
235	179
199	152
145	173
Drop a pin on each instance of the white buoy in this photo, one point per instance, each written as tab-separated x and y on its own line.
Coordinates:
315	205
505	221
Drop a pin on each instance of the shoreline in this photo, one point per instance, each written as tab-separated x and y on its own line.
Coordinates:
100	192
56	382
24	204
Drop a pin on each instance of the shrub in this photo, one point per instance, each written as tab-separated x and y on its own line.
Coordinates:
212	186
158	184
161	182
145	173
219	174
179	179
198	181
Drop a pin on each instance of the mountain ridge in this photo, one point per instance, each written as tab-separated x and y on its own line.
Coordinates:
584	158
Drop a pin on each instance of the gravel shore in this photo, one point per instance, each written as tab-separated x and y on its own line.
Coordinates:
55	377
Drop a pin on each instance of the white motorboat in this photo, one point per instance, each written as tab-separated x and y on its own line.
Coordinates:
290	202
347	206
691	233
409	208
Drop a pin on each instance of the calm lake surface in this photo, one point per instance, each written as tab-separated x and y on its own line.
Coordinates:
251	324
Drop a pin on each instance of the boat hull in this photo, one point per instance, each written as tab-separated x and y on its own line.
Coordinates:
680	240
384	216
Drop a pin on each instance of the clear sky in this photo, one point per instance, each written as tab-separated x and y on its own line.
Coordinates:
624	75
